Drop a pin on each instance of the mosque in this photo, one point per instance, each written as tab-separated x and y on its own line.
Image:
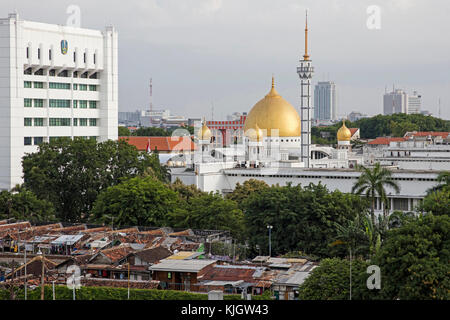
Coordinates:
276	148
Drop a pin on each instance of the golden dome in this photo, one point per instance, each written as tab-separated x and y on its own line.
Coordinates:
344	133
204	133
273	112
255	134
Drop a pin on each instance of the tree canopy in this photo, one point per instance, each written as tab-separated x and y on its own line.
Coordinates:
135	202
383	125
71	173
302	218
414	260
22	204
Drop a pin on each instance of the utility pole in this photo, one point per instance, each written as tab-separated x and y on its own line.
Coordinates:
128	280
270	235
42	276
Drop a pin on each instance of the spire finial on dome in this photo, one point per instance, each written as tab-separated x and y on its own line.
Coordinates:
273	82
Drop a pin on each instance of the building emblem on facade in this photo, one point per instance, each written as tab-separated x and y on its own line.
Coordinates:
64	46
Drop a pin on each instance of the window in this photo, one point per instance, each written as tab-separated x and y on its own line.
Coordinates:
27	84
83	87
83	104
28	52
59	122
27	71
40	72
75	74
92	87
50	54
39	53
63	74
27	141
75	122
38	122
27	102
52	73
38	103
59	103
74	56
38	85
27	122
92	104
92	122
38	140
75	103
95	56
75	86
84	57
58	85
83	122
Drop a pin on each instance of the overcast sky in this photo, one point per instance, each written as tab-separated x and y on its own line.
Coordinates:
224	52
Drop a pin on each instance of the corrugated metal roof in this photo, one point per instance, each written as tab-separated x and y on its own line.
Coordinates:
67	239
182	265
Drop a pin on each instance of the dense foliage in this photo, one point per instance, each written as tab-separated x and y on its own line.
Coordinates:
22	204
302	218
71	173
414	260
135	202
107	293
395	125
331	280
156	132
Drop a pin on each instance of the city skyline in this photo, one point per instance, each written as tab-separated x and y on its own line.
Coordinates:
208	52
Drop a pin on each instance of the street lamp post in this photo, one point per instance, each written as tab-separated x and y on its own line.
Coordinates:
270	244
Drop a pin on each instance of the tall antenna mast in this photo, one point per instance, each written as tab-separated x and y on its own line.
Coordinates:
439	108
151	102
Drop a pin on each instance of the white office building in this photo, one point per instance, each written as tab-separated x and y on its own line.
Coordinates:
325	101
55	81
414	103
395	102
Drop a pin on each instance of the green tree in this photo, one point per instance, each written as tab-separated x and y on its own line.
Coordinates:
331	280
372	183
124	132
243	191
71	173
135	202
443	180
151	132
414	260
437	203
209	211
23	204
302	218
185	192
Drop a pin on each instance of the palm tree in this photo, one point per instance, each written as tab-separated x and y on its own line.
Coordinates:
444	182
372	183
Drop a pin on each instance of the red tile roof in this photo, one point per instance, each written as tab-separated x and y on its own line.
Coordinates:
164	144
383	140
443	134
353	130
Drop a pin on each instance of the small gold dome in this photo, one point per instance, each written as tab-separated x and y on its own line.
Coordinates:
344	133
255	134
204	133
273	112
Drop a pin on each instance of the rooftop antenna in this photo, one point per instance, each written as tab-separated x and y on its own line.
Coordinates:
151	101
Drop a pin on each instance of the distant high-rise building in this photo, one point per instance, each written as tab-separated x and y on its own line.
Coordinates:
325	101
414	103
395	102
